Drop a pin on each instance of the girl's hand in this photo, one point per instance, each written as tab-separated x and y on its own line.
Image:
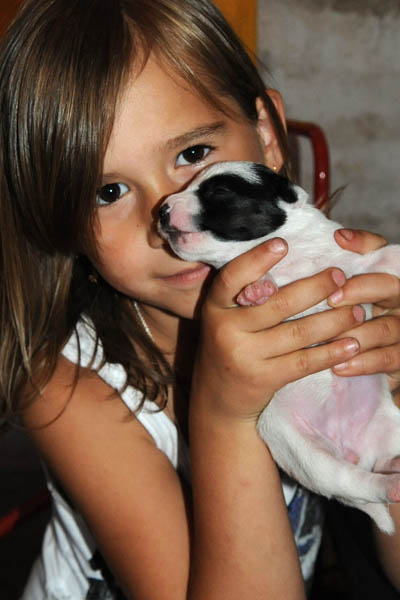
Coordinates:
379	338
246	354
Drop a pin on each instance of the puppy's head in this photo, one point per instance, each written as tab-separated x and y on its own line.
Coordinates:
227	209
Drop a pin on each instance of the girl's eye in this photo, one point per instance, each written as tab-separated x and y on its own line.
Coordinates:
111	193
193	155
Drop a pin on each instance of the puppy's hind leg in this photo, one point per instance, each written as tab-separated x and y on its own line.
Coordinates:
378	513
317	464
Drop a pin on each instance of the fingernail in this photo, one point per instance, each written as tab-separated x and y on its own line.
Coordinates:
338	277
277	246
352	346
348	234
359	313
341	366
336	297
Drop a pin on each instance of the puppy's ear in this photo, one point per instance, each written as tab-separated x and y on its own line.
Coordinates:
276	187
302	196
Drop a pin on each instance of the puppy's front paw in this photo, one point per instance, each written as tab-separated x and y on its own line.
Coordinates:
257	293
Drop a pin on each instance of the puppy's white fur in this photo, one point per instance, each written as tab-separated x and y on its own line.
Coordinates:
339	437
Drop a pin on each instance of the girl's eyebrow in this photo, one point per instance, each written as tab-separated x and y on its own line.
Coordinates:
178	142
193	135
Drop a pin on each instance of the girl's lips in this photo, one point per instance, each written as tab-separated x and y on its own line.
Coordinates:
187	276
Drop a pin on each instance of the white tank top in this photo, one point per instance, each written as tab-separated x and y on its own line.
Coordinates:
65	570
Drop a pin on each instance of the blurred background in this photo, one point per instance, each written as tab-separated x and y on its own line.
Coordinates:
336	62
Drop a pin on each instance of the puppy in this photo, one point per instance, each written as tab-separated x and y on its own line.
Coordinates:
339	437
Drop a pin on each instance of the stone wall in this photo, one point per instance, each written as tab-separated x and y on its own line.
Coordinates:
337	62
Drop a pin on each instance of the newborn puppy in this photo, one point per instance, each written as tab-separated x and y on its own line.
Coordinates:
339	437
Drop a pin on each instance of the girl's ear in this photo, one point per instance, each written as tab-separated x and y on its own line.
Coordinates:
266	130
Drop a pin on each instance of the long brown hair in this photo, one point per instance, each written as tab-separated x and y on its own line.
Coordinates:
63	64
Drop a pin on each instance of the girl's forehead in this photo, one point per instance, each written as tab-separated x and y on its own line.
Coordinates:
159	83
158	103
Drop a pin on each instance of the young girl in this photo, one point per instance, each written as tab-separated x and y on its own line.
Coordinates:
115	352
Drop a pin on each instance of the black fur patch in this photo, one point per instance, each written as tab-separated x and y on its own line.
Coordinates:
235	209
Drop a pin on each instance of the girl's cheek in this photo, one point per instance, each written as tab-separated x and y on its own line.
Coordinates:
117	212
118	225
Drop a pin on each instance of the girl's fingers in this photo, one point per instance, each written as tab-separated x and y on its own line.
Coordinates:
290	300
379	348
317	328
378	360
358	240
374	288
307	361
377	333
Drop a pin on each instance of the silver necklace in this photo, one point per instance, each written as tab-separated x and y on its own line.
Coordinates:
142	320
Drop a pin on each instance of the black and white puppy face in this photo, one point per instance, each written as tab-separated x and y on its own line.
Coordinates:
227	209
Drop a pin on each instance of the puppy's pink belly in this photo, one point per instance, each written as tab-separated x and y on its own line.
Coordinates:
343	415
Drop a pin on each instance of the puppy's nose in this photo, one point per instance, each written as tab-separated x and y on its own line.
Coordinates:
163	215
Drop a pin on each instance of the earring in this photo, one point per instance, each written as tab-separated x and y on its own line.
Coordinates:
274	168
93	278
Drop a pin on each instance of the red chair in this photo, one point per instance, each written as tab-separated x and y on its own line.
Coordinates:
15	516
320	152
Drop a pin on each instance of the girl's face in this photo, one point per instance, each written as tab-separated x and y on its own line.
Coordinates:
163	135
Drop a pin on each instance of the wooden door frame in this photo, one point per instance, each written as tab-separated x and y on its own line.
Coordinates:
242	15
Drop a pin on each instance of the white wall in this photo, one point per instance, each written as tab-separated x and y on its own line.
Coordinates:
337	62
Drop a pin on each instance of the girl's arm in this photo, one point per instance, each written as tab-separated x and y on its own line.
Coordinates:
243	543
124	487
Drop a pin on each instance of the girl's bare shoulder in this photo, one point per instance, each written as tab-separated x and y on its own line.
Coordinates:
74	394
79	405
